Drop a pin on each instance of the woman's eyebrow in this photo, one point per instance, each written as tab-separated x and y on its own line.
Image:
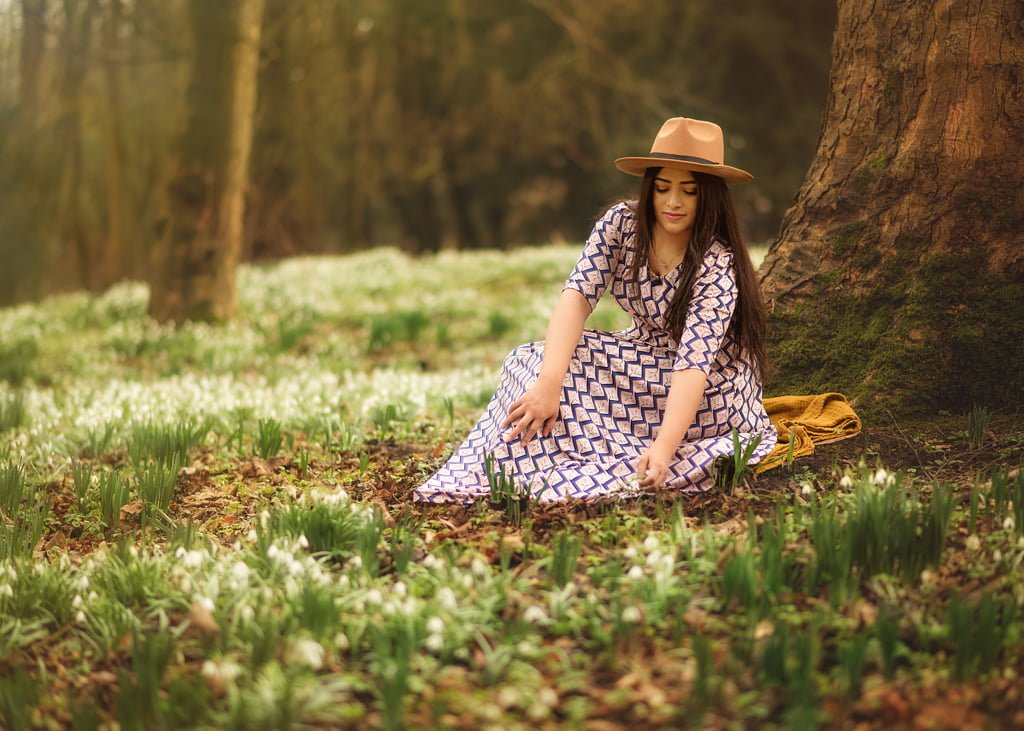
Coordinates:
684	182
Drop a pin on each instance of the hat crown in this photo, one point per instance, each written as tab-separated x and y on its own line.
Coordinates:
687	137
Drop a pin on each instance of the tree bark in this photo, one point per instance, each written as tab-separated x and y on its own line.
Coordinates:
33	43
195	276
120	256
898	275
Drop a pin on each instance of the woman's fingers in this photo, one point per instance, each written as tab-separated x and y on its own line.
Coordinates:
515	412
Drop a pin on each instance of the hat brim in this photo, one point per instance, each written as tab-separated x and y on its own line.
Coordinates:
639	165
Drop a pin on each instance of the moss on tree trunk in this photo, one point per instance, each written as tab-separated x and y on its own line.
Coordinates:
898	277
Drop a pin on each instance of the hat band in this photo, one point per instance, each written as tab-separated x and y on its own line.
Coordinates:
683	158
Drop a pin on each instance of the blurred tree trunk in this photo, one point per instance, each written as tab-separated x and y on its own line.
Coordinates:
73	229
120	255
898	276
202	243
33	42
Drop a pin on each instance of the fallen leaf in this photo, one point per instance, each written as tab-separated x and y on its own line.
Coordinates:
202	619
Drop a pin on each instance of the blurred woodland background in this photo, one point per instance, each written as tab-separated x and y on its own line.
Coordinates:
448	123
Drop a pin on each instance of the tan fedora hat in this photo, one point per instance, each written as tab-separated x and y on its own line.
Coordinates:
689	144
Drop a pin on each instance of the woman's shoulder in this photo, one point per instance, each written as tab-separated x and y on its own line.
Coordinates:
621	214
719	252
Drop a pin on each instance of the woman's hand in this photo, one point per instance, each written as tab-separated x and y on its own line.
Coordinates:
536	411
652	467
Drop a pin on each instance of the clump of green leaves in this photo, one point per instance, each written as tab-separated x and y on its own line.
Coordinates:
166	443
13	411
564	555
731	472
978	420
505	492
155	483
114	494
978	632
268	438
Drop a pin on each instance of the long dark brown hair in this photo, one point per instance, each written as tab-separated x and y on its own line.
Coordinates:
715	218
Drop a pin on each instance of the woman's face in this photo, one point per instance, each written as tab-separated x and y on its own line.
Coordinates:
675	201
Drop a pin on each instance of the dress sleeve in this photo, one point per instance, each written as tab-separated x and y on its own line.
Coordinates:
600	256
709	313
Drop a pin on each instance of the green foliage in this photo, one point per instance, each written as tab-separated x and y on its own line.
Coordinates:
17	357
268	438
885	529
978	632
166	444
505	491
139	702
330	528
155	483
19	693
393	328
23	526
81	478
95	440
565	553
12	488
13	411
114	494
978	420
887	632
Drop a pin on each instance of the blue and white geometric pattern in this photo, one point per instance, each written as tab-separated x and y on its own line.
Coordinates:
614	392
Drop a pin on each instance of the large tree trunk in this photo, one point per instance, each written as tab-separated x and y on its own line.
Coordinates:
898	276
33	43
120	256
195	276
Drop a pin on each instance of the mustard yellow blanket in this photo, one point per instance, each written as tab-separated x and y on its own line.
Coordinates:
803	421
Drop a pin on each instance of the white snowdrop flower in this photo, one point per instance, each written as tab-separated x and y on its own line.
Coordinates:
133	551
341	641
548	696
668	563
399	588
629	553
93	597
430	561
246	613
373	596
223	670
303	541
305	651
186	583
180	552
295	568
76	603
435	625
272	550
806	490
388	608
434	643
846	482
997	555
650	543
478	567
631	615
927	577
508	696
252	535
535	615
355	563
240	571
192	559
1009	523
636	572
653	558
80	617
446	598
236	546
881	476
205	602
973	543
83	583
1020	542
264	518
344	582
466	581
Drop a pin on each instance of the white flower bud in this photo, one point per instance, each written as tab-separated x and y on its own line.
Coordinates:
435	625
434	643
973	543
631	615
846	482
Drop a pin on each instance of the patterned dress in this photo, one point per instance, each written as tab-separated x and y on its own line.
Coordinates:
616	386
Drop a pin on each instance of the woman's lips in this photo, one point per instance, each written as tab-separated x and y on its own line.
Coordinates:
673	216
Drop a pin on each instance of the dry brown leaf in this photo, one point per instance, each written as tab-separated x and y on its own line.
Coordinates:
202	619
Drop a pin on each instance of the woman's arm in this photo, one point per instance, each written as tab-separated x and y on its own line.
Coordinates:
684	396
537	410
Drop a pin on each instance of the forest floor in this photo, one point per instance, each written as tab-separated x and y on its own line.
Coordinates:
283	579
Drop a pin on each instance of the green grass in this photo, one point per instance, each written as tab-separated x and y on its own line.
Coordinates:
210	528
